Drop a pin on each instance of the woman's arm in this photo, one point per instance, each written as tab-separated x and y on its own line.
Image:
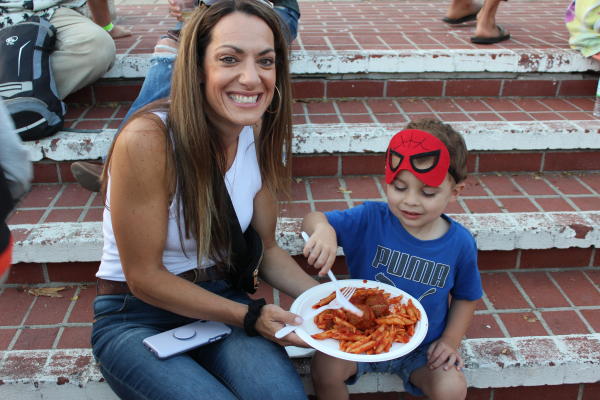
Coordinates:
139	201
278	268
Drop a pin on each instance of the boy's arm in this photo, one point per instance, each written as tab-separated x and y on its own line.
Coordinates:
321	248
444	350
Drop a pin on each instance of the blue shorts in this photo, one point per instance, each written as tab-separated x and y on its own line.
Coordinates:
403	367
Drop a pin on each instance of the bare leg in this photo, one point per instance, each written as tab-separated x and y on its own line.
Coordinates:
486	19
101	16
439	384
329	375
460	8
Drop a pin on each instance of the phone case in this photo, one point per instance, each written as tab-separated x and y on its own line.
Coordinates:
186	337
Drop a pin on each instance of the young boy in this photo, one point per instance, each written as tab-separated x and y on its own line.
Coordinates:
411	244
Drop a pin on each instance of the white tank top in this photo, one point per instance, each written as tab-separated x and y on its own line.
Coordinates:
243	181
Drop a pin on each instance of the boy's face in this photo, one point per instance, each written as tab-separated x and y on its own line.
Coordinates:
418	206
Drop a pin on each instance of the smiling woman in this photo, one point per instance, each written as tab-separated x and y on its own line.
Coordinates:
183	178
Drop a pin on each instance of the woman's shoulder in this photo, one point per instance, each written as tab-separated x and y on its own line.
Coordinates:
142	146
146	132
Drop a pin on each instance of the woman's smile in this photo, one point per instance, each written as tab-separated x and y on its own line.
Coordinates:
244	99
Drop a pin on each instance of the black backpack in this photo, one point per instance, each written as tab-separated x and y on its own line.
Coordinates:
26	81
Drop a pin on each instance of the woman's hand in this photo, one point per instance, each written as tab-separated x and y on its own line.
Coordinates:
272	318
321	248
442	354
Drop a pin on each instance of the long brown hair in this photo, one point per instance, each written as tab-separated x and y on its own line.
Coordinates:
198	154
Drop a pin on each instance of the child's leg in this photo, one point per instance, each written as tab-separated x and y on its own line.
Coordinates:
329	376
438	384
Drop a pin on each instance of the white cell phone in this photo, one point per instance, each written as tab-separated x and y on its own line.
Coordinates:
186	337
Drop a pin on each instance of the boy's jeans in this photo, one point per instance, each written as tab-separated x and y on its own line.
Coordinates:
157	84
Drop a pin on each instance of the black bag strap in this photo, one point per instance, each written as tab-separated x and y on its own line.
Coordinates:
239	247
246	252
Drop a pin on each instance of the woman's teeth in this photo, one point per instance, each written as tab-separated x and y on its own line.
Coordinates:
243	99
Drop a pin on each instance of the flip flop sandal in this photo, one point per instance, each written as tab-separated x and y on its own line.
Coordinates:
502	36
461	20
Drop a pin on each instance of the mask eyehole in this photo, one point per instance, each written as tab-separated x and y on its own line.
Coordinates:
394	160
425	162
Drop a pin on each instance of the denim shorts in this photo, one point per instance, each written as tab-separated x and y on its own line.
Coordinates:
403	367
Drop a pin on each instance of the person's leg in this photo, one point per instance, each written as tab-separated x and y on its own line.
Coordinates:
290	19
329	376
486	20
253	368
84	51
101	16
88	174
461	11
131	370
157	84
439	384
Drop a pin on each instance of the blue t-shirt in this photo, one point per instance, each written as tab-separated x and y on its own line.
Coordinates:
377	247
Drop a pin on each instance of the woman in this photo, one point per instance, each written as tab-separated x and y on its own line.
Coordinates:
166	217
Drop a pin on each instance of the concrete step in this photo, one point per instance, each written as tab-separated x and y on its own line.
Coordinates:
82	241
490	363
309	139
348	136
388	48
378	37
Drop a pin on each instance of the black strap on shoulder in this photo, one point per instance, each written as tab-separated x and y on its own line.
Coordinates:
239	247
246	252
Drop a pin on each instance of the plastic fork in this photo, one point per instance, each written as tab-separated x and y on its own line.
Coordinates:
347	293
343	300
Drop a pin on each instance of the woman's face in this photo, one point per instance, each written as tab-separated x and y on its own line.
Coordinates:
239	71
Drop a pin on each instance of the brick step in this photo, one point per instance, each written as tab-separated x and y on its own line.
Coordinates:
376	85
533	327
493	367
388	48
344	136
357	37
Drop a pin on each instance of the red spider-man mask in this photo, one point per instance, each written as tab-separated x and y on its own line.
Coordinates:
420	153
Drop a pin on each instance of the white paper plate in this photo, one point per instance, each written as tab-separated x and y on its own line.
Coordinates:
306	300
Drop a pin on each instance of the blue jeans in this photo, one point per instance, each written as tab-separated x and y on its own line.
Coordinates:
237	367
157	84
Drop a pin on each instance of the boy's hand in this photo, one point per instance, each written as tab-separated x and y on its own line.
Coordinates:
442	354
321	248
